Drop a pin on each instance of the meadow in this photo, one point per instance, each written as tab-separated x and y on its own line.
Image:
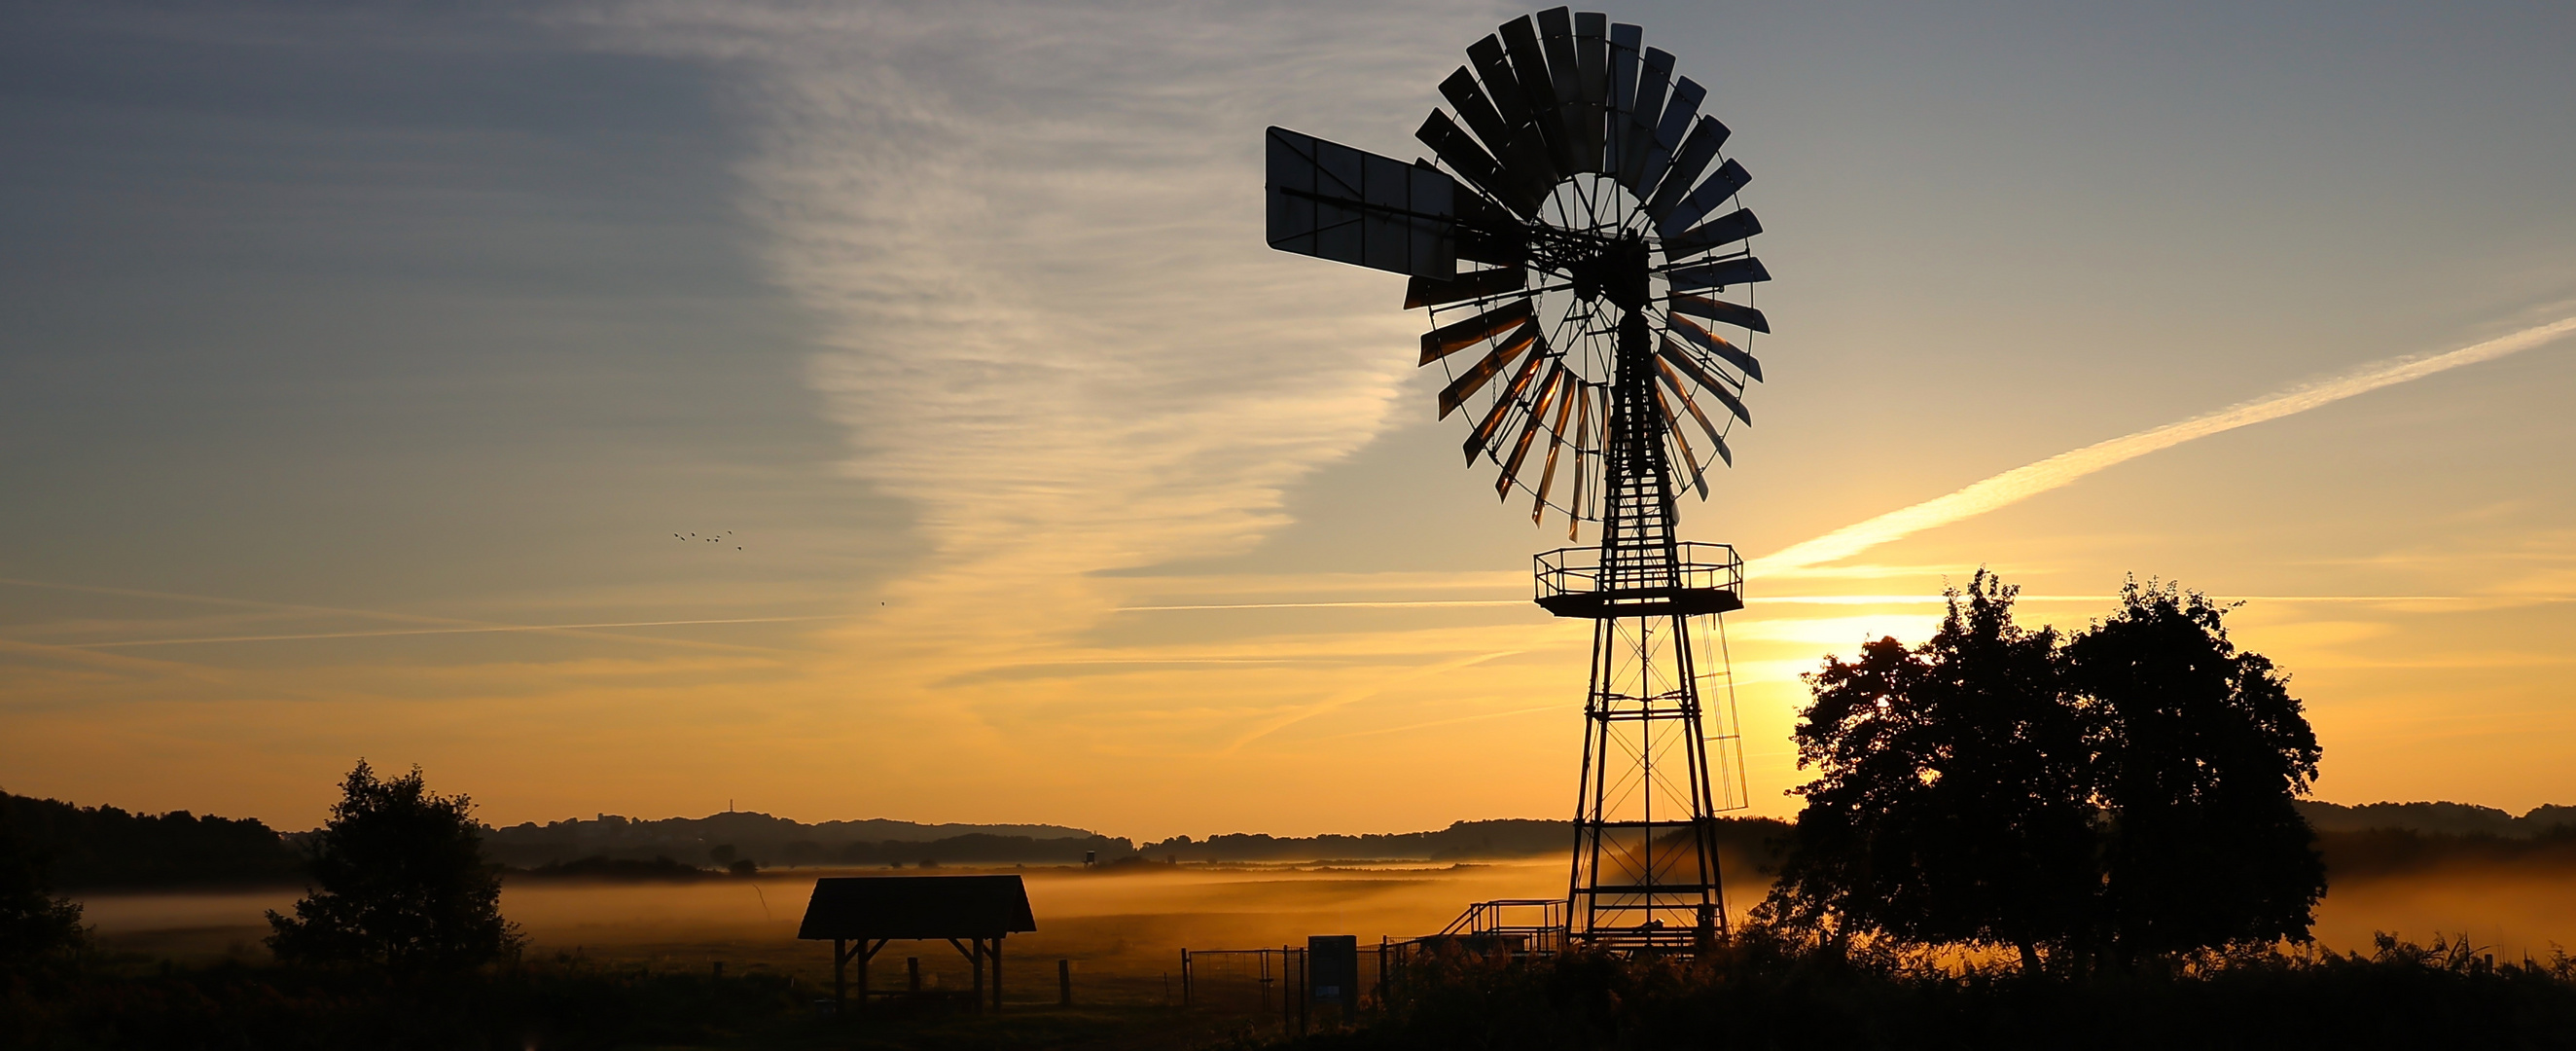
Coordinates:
1122	928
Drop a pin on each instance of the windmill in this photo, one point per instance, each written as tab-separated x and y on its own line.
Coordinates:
1571	242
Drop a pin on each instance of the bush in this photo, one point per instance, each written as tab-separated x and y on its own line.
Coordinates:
1761	990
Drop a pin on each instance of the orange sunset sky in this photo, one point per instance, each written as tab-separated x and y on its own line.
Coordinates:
366	375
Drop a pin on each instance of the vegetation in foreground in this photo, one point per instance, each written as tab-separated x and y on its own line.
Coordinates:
1764	990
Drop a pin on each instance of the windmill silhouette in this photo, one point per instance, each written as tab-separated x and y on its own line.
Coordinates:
1581	190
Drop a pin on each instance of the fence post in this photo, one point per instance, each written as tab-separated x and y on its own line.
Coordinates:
1064	983
1185	977
1305	991
1381	972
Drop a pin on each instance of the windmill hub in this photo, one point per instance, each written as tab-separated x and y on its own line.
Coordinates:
1596	206
1616	270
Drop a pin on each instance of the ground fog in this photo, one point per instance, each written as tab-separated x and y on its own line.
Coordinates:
1122	931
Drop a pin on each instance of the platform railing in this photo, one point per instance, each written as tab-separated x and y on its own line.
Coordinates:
1705	578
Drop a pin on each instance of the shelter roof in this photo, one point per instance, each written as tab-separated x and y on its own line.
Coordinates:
917	907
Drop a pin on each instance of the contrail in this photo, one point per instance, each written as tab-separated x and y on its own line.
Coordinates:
483	630
2022	483
1330	605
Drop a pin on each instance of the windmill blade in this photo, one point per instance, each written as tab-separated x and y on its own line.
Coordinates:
1592	55
1564	63
1515	142
1654	76
1742	270
1592	85
1468	382
1459	151
1710	429
1468	98
1501	84
1504	401
1674	364
1679	112
1555	443
1528	160
1622	102
1706	137
1711	343
1538	91
1592	59
1720	311
1726	229
1547	389
1451	338
1333	202
1487	233
1730	177
1673	425
1477	284
1565	80
1582	450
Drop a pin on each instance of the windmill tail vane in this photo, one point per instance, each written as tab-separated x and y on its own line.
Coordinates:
1577	239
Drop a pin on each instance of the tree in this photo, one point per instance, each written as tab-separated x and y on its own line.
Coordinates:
402	884
1950	804
2128	793
34	924
2202	752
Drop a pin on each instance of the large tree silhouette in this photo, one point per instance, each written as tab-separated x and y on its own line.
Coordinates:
1951	802
2126	793
400	883
2203	749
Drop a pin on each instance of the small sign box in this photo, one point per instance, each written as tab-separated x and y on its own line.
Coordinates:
1333	971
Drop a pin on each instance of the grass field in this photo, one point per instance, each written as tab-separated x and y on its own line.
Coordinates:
1122	931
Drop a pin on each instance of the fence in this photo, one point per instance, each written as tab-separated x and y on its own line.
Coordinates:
1260	983
1279	983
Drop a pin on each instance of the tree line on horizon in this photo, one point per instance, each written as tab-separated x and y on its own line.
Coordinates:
105	847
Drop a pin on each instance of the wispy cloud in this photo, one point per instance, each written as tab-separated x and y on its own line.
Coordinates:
1029	238
2022	483
1030	233
481	630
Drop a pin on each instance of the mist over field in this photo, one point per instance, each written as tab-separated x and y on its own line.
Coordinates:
1122	928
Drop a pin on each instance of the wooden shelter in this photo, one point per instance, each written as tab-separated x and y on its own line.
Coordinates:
860	914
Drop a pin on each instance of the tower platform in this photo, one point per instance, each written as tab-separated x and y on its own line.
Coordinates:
1706	578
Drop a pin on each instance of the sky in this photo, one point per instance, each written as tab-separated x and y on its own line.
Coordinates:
891	409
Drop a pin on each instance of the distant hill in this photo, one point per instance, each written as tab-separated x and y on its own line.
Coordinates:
104	847
1461	841
719	839
2455	819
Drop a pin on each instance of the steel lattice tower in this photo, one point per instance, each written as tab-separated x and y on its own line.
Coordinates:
1645	872
1572	243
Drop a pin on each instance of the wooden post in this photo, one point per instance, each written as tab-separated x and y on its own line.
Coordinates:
1064	983
976	958
912	972
997	973
840	971
1185	977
